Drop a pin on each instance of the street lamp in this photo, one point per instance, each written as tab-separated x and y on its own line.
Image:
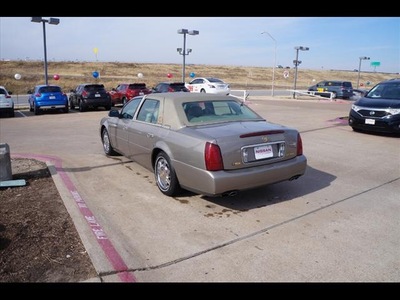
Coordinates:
296	63
183	51
273	68
359	68
52	21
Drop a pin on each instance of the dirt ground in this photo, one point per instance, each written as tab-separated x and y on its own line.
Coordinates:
38	239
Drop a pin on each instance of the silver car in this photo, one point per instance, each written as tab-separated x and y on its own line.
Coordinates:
213	145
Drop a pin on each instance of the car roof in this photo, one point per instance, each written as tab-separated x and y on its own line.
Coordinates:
175	117
392	80
42	85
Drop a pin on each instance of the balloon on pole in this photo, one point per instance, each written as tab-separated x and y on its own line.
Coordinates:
140	75
95	50
169	75
17	76
56	76
95	74
192	75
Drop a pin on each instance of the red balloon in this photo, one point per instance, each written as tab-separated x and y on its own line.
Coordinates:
56	77
169	75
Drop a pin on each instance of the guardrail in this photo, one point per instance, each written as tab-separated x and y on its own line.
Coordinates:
312	93
244	97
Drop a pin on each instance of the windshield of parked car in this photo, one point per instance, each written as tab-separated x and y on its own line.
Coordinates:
385	91
218	111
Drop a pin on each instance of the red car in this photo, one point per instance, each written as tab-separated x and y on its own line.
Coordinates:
126	91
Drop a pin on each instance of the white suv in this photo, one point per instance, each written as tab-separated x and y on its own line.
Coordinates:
6	102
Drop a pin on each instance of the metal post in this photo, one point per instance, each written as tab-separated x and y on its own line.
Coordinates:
359	69
296	63
46	80
273	68
184	55
52	21
295	72
184	52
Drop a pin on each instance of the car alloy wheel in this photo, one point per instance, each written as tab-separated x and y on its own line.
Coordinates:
165	175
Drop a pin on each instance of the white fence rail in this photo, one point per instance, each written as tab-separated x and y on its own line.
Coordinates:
312	93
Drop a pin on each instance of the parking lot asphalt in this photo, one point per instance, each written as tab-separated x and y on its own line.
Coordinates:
337	223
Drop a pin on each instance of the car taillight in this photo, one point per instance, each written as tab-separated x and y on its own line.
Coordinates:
299	145
212	157
84	93
170	90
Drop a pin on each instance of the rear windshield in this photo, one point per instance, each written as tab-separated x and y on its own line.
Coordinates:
218	111
94	87
135	86
178	87
50	89
211	79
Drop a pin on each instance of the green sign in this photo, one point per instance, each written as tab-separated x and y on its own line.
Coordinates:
375	63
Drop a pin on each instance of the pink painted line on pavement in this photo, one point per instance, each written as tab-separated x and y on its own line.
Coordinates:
109	250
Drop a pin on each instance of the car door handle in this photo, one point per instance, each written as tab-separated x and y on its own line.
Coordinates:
150	135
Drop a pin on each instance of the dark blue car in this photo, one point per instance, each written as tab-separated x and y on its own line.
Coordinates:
378	110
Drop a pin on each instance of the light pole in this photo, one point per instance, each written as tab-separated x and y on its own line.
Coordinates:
296	63
359	68
183	51
52	21
273	68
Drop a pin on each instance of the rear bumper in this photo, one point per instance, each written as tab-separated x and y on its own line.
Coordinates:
223	182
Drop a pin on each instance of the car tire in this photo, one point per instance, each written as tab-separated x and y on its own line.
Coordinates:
107	147
81	107
71	104
36	109
165	175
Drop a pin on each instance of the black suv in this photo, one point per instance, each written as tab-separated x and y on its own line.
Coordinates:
378	110
90	95
339	89
170	87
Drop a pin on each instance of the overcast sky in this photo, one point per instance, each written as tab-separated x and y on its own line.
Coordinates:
333	42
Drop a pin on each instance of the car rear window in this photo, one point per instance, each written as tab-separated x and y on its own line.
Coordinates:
347	84
135	86
94	87
50	89
177	87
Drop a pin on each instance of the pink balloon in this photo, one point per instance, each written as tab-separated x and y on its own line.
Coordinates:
56	77
169	75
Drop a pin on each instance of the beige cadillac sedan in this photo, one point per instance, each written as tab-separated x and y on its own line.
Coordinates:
214	145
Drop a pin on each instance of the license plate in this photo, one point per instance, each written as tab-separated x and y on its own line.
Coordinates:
320	89
262	152
52	97
97	95
370	121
